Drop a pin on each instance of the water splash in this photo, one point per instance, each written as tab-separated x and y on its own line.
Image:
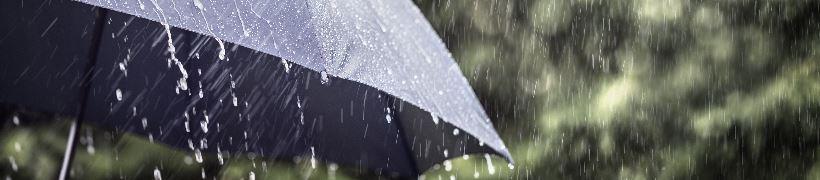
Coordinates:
182	84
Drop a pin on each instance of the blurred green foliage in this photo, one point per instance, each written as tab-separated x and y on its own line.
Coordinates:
578	89
643	89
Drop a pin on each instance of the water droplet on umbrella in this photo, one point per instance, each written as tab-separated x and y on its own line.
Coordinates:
198	4
325	79
221	49
142	6
286	65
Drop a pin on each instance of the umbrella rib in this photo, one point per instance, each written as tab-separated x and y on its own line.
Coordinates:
71	142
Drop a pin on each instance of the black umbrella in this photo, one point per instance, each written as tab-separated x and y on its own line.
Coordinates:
195	92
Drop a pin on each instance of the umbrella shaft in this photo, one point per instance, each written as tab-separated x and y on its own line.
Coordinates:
69	150
71	144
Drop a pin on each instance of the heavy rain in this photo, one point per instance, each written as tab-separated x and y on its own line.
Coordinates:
422	89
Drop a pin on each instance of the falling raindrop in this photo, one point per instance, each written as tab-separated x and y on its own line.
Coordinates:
312	158
15	119
13	163
448	165
157	174
198	155
90	149
251	176
188	160
235	100
204	126
387	115
490	167
219	156
144	123
455	132
301	118
118	94
331	170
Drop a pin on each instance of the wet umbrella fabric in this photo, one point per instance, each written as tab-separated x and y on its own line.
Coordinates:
375	112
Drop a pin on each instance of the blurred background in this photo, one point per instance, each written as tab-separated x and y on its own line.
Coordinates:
578	89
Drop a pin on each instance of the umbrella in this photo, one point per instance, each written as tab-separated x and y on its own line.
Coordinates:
355	82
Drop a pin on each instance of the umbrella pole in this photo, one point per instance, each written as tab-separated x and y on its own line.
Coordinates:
71	143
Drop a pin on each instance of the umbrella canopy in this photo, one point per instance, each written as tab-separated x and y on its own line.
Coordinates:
359	83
